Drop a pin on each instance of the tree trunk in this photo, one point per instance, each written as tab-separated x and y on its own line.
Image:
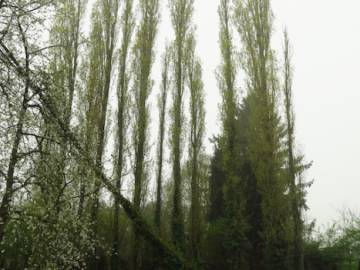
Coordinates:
8	194
177	220
162	104
6	200
195	210
109	45
127	26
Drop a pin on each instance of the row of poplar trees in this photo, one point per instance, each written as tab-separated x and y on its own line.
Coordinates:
80	187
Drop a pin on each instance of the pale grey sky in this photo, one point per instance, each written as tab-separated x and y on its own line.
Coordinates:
326	44
326	41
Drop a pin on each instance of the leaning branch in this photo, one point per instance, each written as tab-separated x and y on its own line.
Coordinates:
172	257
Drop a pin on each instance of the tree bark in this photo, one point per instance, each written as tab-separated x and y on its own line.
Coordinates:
8	194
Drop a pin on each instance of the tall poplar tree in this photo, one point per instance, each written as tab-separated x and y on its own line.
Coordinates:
94	70
227	188
233	189
127	26
162	104
226	80
181	14
143	60
265	150
64	66
107	18
197	132
66	32
298	256
105	15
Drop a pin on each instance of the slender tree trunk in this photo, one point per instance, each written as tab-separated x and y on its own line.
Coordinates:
159	180
111	11
177	213
197	116
177	222
85	174
109	47
71	52
158	206
162	105
181	13
8	194
143	51
195	209
119	171
73	63
139	173
127	25
6	200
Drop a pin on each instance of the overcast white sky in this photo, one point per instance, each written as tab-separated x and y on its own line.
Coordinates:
326	41
326	44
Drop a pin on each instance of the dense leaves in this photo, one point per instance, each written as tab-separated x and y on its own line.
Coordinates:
76	161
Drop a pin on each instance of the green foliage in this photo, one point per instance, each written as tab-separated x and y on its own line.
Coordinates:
197	128
144	56
238	209
216	249
265	132
337	247
181	15
127	25
162	104
143	59
38	238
